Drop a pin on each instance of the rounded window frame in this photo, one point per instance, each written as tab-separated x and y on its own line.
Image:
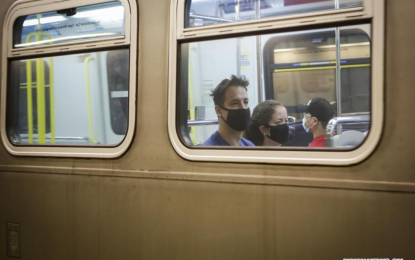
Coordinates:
371	10
129	40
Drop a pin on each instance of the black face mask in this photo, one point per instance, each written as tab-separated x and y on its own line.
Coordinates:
238	119
279	133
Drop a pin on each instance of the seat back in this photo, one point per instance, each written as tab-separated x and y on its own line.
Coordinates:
351	138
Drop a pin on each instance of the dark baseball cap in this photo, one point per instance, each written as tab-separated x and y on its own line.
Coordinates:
318	107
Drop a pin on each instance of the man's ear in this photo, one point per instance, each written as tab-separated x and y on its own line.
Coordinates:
217	110
316	121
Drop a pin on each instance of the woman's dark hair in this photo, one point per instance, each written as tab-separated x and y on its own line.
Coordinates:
261	115
218	93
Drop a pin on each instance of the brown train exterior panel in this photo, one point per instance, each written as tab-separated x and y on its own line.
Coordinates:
152	204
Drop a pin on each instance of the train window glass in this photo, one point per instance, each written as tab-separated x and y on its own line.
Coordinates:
307	68
211	12
68	25
208	63
71	80
350	3
355	71
68	102
117	66
298	67
24	96
315	78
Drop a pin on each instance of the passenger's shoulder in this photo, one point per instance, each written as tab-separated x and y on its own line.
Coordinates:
212	140
246	142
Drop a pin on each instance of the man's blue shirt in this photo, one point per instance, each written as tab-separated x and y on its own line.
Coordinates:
216	140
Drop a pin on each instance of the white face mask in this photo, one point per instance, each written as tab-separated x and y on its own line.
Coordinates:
304	126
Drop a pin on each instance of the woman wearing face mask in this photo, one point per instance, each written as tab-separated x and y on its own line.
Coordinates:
268	126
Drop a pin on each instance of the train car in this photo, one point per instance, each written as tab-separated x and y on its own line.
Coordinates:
107	111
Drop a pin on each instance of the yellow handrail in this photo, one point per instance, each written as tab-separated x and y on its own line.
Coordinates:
88	97
323	68
40	90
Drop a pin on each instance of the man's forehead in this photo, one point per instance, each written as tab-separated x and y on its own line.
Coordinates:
235	90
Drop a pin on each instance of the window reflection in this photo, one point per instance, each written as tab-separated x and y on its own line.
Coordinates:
74	24
211	12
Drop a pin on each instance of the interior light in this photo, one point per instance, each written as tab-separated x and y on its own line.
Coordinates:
345	45
46	20
290	49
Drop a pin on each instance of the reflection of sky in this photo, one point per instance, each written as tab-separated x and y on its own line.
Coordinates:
109	15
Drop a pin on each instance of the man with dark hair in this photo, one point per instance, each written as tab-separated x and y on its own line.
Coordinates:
231	107
317	114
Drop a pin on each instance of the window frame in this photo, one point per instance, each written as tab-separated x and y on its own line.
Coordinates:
28	7
372	10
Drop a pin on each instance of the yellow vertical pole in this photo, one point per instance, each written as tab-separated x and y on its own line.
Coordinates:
40	92
88	98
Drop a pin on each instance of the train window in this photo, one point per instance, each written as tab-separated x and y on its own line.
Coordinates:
70	88
72	24
298	67
306	96
211	12
71	109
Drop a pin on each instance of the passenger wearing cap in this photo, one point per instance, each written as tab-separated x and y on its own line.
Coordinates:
317	114
231	107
